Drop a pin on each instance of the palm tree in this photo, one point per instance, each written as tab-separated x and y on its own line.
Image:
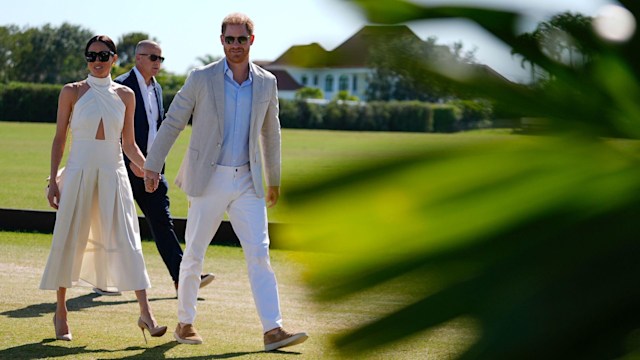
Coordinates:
208	59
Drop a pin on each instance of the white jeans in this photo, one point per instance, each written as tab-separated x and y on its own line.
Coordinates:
230	189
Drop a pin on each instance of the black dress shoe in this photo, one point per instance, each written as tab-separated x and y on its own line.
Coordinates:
106	292
205	279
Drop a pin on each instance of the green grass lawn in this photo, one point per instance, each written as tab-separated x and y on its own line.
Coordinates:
307	155
105	327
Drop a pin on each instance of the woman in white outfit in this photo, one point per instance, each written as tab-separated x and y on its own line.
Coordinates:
96	240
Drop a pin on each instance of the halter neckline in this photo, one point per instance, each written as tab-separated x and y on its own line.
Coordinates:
99	82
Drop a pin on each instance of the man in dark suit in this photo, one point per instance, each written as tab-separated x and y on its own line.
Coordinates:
149	114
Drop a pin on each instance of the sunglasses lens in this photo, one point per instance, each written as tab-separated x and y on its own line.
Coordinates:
103	56
90	56
241	40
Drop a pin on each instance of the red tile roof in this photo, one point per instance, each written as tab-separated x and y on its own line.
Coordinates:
285	81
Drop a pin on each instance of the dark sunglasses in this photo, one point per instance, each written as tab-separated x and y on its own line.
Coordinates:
154	57
102	56
241	40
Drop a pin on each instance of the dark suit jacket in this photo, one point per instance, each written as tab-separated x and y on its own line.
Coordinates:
141	123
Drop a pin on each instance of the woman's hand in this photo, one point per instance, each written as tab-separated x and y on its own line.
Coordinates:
137	171
54	194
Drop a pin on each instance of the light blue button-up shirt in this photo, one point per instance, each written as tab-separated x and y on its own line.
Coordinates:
237	118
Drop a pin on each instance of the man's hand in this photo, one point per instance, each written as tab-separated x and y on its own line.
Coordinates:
151	180
273	193
136	170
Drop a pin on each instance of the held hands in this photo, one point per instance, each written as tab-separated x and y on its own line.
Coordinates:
151	180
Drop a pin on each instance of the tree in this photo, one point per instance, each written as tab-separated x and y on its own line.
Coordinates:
309	93
208	59
396	79
7	34
170	82
556	39
344	95
127	47
48	54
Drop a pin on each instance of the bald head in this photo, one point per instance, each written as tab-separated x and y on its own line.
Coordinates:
146	45
148	59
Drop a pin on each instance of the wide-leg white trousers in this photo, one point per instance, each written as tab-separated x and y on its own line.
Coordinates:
230	190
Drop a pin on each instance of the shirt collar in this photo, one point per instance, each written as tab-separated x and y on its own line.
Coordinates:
229	73
141	82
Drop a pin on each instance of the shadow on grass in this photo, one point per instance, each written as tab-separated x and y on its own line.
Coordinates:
41	349
158	352
73	304
45	348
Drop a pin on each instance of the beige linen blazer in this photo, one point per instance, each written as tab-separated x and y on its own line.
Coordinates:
202	97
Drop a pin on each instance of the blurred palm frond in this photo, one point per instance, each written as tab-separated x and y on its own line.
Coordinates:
536	238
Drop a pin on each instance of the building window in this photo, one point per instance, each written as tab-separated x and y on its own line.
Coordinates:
343	83
315	80
328	83
304	80
354	84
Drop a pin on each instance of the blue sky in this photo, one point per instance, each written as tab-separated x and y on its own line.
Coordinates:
189	29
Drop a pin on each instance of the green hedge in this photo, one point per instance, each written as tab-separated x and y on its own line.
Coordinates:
300	114
29	102
411	116
445	119
38	103
167	98
473	114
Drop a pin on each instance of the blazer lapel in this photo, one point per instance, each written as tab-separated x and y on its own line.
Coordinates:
257	90
158	90
141	126
217	82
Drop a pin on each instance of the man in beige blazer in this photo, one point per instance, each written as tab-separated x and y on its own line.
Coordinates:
235	135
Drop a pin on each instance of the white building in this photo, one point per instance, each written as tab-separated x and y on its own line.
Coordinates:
346	68
343	69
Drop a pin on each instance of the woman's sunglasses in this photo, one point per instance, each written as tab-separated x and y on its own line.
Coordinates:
102	56
241	40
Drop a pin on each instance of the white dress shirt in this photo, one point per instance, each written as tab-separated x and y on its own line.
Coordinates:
150	105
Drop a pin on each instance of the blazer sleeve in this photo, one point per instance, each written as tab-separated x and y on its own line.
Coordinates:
270	139
175	121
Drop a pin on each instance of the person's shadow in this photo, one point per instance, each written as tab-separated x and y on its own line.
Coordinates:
73	304
158	352
45	348
42	349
